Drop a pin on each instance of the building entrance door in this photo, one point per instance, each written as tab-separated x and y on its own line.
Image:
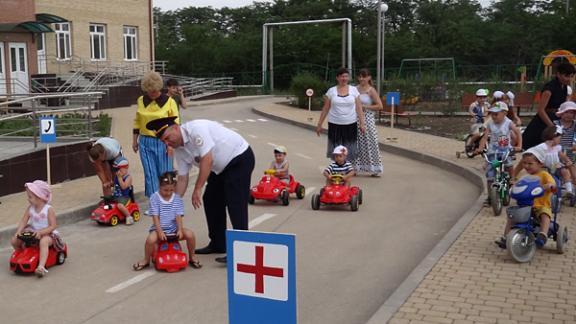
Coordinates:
2	71
19	69
41	46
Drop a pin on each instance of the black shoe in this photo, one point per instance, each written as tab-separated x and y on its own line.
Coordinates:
209	250
221	259
501	243
541	239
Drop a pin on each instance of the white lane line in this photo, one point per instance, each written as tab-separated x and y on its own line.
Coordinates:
262	119
239	121
252	136
304	156
272	144
309	191
227	121
131	281
250	120
260	219
234	129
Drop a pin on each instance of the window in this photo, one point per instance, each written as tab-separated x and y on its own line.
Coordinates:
97	42
63	47
130	43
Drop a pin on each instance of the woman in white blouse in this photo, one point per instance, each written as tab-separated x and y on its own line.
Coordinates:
345	117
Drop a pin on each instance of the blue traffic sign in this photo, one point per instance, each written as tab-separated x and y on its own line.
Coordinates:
47	130
261	277
393	98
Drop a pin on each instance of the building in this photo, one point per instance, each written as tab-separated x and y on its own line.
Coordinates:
68	36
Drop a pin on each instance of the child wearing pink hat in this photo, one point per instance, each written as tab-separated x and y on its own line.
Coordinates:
40	219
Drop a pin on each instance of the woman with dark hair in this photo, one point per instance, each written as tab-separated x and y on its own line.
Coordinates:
345	117
553	95
368	160
103	153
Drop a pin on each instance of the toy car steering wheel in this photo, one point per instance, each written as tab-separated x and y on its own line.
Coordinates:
27	237
270	172
336	178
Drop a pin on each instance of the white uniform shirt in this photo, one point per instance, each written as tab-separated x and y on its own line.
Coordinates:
342	108
112	147
202	136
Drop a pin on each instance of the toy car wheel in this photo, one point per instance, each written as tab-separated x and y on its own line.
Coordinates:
60	258
521	245
495	201
114	220
300	192
136	215
315	201
354	203
285	196
561	239
360	196
251	199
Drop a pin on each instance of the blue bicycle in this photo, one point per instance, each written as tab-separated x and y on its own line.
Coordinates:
521	241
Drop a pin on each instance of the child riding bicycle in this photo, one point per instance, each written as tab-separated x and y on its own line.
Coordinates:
478	110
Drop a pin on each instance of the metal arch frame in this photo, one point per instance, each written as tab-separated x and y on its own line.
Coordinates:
269	35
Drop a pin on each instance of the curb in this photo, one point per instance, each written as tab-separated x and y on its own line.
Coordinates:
69	216
225	100
411	282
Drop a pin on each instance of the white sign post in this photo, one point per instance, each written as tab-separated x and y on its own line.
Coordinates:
48	135
392	110
309	93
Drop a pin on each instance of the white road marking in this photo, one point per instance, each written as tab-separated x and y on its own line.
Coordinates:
131	281
234	129
250	120
227	121
304	156
252	136
309	190
272	144
239	121
262	119
260	219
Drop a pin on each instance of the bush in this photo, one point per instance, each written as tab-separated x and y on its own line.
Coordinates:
306	80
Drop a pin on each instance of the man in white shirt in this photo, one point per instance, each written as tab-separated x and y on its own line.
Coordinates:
225	162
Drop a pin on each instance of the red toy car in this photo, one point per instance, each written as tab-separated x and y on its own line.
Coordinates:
107	211
26	260
169	255
271	188
337	193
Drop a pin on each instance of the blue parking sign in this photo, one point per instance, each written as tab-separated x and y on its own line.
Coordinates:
47	130
393	98
261	277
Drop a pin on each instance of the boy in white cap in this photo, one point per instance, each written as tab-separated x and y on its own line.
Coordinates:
340	165
280	163
478	110
499	130
533	163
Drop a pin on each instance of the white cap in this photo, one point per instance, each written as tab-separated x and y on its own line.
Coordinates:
481	93
566	106
340	149
280	149
498	106
510	95
498	94
538	154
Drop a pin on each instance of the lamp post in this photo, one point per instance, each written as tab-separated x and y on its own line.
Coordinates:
382	8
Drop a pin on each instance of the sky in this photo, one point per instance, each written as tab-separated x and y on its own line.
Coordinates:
177	4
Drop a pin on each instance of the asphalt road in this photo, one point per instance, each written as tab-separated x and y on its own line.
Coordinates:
348	263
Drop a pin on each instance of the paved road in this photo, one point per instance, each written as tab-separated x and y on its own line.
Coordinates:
348	263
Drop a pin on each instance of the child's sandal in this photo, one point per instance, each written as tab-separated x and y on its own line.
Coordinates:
138	266
195	264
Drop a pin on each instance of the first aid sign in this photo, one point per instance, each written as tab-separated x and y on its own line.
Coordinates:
261	277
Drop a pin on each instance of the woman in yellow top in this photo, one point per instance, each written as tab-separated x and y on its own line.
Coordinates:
152	105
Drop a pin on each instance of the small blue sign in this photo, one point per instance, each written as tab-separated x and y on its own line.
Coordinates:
261	277
393	98
47	130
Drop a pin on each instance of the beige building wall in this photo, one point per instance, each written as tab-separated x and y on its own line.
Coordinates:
115	14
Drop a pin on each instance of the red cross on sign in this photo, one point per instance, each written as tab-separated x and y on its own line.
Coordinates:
260	270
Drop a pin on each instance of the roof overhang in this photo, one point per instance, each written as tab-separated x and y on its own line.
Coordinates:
49	18
26	27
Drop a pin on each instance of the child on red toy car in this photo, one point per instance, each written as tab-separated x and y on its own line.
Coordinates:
340	166
122	187
280	164
39	218
167	210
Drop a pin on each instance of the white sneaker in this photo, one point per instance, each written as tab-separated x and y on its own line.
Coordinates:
129	220
568	188
147	212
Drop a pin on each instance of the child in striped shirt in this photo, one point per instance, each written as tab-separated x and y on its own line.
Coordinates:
167	210
340	166
567	113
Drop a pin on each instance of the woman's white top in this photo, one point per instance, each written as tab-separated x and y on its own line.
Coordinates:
342	108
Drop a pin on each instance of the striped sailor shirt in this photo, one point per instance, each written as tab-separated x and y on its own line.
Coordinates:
167	211
335	168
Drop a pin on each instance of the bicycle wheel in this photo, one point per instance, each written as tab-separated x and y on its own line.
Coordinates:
469	147
505	194
561	239
495	201
520	245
